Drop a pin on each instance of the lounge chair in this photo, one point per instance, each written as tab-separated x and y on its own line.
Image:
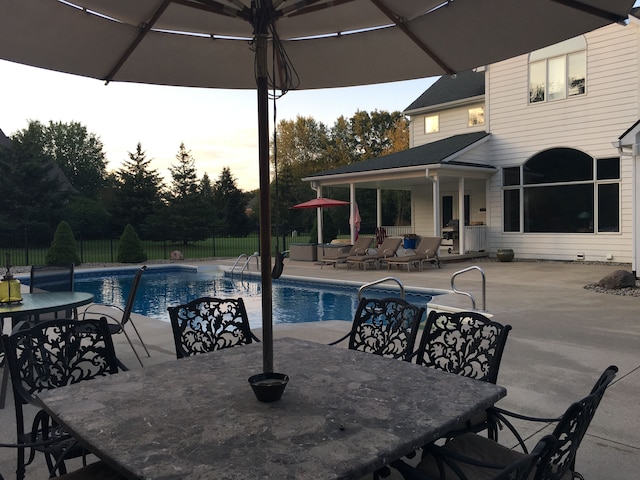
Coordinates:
386	250
360	247
425	252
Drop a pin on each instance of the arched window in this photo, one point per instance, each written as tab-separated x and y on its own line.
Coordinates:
558	71
557	191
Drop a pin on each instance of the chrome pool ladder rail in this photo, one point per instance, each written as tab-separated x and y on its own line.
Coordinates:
255	255
484	286
382	280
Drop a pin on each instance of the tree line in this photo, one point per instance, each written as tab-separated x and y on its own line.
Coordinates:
58	171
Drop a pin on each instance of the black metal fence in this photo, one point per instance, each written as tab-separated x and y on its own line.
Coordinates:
30	248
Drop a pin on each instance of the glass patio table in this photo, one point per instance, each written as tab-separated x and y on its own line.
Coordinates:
343	414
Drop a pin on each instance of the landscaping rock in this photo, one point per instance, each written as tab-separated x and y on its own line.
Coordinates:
177	255
618	279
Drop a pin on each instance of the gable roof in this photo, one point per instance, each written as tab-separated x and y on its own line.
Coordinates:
4	140
450	88
428	154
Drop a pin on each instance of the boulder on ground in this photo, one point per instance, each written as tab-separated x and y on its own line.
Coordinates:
177	255
618	279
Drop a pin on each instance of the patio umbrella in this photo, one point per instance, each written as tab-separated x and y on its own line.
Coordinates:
284	45
320	203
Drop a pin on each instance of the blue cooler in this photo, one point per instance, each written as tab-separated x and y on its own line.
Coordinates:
409	243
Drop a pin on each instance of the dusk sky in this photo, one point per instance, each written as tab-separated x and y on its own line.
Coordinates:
219	127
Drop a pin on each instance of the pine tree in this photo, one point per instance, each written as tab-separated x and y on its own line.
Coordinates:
63	247
138	191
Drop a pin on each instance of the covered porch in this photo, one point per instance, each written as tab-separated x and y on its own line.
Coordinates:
447	181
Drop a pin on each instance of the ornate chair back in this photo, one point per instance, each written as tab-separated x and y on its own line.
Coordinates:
386	327
465	343
570	430
207	324
48	355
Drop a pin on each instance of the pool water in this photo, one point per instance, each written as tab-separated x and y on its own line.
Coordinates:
293	301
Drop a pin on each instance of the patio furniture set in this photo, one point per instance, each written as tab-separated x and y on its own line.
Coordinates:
362	255
347	412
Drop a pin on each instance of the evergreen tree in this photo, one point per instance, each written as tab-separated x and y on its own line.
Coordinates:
130	248
137	194
63	247
185	217
230	205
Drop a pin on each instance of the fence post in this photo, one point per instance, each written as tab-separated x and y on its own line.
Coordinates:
26	247
111	249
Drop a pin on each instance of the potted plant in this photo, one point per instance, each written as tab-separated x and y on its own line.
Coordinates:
505	254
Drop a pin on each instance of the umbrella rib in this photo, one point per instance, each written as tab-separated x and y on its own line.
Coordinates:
403	27
143	32
598	12
208	5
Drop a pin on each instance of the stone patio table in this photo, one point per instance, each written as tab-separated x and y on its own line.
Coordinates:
343	414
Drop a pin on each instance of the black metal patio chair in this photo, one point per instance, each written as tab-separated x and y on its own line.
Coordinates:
207	324
464	343
473	456
386	327
48	355
118	317
53	278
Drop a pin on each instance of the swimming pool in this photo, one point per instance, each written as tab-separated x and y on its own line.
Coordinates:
294	300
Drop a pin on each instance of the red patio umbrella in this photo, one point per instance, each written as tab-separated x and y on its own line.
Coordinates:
321	202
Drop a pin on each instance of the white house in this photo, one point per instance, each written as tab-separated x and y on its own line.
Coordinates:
537	153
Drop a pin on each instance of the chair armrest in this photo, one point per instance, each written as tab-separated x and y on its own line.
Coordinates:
497	418
341	339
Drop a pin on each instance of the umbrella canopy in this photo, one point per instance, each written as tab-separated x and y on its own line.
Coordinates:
321	43
321	202
284	45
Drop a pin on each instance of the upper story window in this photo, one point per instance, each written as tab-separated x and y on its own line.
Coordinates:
558	71
476	116
431	124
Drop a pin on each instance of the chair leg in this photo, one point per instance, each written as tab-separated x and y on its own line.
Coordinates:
139	337
132	347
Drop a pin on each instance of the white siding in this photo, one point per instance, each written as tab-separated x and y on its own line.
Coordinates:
588	123
453	121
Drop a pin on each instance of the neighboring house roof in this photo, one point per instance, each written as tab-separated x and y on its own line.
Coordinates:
450	88
55	172
429	154
4	140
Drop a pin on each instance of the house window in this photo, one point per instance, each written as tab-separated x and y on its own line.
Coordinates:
562	190
476	116
558	71
431	124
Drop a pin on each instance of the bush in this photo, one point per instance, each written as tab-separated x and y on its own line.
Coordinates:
130	247
63	247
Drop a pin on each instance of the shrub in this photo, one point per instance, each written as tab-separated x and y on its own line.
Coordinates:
63	247
130	247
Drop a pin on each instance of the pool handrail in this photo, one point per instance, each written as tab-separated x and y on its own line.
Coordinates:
484	286
255	255
382	280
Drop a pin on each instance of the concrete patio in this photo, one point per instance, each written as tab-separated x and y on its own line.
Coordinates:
563	337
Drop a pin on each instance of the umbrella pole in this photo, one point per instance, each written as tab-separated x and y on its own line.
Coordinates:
265	201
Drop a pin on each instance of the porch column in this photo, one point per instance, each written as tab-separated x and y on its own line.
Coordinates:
352	213
319	216
461	215
437	227
379	207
